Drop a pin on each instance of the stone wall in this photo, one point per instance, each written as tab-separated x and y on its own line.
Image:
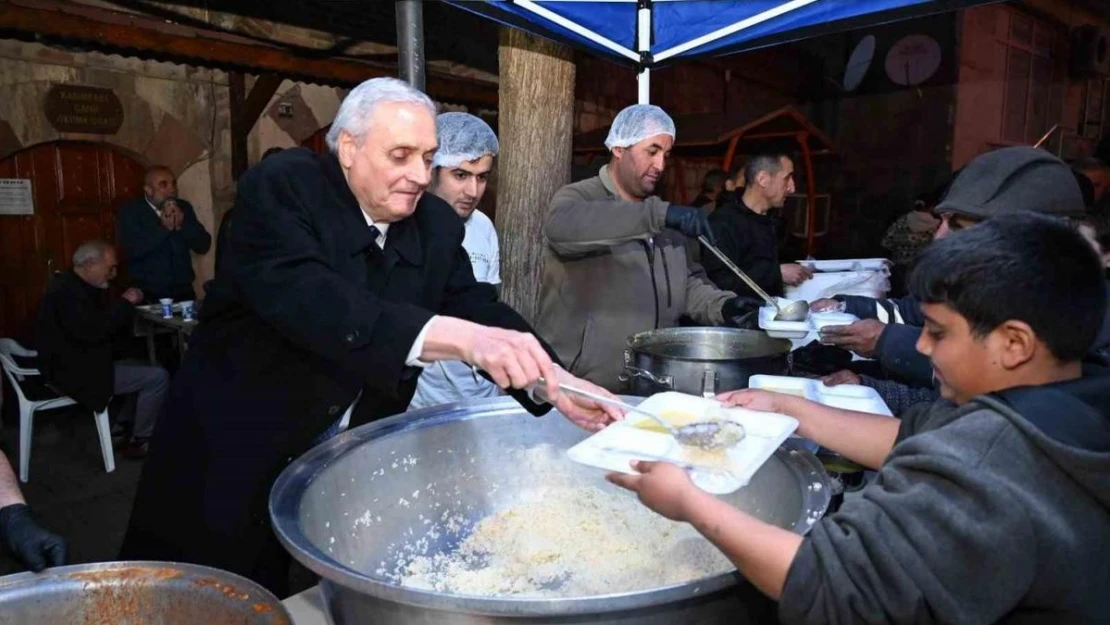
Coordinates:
175	115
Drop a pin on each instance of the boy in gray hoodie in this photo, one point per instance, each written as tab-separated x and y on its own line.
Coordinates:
991	505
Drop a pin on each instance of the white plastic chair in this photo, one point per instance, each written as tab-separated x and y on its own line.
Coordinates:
35	395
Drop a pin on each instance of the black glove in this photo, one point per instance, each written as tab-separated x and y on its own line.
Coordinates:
30	543
742	311
689	221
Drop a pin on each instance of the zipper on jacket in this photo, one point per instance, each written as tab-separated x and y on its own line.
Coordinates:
666	274
654	289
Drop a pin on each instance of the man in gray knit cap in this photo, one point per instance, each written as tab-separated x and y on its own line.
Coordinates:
1009	180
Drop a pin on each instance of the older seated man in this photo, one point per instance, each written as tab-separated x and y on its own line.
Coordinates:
79	330
345	280
616	258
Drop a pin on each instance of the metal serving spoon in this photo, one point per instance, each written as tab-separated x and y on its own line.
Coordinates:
794	311
708	435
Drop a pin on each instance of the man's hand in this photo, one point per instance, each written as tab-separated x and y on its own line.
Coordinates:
794	274
133	296
742	311
860	337
827	305
32	545
689	221
512	359
583	412
843	376
663	487
172	214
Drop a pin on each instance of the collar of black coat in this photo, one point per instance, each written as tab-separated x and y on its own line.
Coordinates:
404	235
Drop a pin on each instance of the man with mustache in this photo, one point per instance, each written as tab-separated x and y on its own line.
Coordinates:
460	172
616	257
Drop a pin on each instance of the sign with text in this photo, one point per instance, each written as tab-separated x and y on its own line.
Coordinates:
76	108
16	197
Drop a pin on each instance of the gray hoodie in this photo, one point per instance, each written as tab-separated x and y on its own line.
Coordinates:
997	511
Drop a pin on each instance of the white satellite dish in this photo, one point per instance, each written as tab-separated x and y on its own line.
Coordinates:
859	62
913	60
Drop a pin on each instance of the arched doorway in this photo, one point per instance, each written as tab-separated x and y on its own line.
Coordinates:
77	188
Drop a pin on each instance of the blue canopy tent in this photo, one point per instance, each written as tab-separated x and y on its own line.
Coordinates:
651	33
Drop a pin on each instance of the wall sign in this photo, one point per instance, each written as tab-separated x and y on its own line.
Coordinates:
91	110
16	197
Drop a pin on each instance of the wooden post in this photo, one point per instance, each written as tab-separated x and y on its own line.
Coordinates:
245	111
536	124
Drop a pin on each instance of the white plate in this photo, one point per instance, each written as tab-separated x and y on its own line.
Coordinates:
718	473
847	264
800	329
845	396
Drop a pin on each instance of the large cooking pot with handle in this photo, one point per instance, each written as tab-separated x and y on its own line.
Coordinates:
133	593
700	361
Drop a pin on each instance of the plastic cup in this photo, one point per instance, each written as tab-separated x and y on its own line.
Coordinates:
167	307
188	312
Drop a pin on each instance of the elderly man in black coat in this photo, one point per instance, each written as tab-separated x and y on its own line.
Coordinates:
345	280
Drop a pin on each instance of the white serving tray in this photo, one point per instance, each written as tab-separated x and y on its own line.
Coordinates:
613	448
848	264
871	284
800	329
844	396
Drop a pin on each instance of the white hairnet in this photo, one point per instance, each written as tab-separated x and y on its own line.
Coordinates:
638	122
462	138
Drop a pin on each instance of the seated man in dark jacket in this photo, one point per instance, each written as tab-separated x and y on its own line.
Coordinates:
990	506
78	325
157	232
747	234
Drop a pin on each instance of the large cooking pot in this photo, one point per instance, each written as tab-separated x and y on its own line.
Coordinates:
137	593
700	361
343	508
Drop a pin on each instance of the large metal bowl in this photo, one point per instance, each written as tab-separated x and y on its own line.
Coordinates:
379	467
136	593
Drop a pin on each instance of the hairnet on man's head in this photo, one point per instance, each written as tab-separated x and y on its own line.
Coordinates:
638	122
462	138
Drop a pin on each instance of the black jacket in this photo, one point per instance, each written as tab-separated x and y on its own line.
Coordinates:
992	512
78	326
307	314
749	240
158	260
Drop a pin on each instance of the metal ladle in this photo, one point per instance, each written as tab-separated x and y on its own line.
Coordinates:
796	310
707	435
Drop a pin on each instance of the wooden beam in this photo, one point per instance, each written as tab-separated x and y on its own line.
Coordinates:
139	36
245	111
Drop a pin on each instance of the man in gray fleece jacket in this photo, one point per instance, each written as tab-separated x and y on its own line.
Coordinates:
991	505
616	259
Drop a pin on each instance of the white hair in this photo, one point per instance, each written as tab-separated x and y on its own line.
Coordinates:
358	107
90	252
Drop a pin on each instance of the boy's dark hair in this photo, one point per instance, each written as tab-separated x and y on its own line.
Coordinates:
1026	267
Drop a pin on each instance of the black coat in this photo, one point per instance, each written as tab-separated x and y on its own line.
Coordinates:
159	260
749	240
307	314
76	334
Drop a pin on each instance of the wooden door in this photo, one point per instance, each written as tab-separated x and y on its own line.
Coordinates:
78	187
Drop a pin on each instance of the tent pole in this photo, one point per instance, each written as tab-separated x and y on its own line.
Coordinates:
643	46
811	194
410	41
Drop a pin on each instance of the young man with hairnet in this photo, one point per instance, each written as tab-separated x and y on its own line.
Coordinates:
460	172
616	256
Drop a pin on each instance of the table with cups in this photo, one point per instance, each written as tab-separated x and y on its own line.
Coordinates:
165	317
